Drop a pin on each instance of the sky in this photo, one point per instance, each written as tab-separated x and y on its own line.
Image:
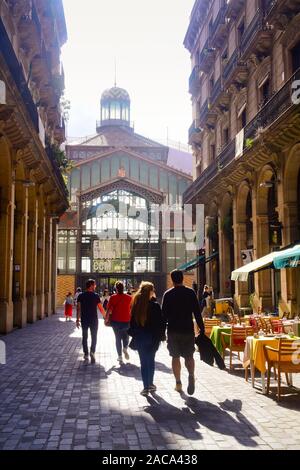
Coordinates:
145	38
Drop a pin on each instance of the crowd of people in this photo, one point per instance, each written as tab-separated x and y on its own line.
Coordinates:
141	323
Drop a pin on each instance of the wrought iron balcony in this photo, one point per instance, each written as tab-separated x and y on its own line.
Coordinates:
235	69
215	92
278	104
234	7
195	132
194	82
219	28
17	73
206	57
257	37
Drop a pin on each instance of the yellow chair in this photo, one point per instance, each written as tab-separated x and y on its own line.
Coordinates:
286	359
209	324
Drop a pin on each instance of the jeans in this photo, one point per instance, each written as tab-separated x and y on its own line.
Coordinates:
147	350
120	331
94	331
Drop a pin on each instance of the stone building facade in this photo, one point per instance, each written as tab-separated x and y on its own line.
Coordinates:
246	138
32	190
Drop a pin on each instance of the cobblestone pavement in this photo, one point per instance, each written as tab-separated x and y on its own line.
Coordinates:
49	399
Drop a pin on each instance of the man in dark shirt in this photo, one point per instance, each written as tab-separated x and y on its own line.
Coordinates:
87	304
179	305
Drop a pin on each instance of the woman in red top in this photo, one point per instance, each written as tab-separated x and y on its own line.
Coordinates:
119	308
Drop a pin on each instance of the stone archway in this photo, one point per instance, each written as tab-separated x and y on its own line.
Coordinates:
243	238
266	285
290	216
7	207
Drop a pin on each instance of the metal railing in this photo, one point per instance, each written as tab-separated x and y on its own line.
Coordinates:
254	27
277	105
215	91
193	78
220	19
231	64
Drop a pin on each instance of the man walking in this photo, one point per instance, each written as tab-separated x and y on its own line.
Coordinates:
179	305
87	304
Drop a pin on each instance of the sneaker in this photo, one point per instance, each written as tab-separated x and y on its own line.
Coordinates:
93	359
152	388
191	385
120	359
126	355
86	357
178	386
145	392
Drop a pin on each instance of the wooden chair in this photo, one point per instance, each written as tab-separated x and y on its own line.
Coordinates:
233	318
277	326
209	324
286	358
237	339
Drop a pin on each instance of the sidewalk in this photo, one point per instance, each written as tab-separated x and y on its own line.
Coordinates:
49	399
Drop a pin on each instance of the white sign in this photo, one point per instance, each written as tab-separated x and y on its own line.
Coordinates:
2	92
239	144
247	256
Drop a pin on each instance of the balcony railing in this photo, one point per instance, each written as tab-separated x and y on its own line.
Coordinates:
194	129
254	27
278	104
194	79
231	64
219	20
215	91
18	75
203	111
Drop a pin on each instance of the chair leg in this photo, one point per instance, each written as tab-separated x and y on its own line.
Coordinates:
287	379
278	386
246	374
275	374
230	360
268	380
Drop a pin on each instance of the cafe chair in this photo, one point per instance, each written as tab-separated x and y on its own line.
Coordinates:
277	326
209	324
285	358
237	339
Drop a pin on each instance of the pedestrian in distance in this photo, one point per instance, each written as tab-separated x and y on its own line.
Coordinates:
77	293
105	299
118	308
88	304
68	303
179	305
147	328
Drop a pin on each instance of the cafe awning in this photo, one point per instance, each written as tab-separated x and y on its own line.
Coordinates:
197	261
241	274
287	258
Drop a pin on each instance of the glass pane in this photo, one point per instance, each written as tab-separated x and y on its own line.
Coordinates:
105	170
154	178
95	173
86	174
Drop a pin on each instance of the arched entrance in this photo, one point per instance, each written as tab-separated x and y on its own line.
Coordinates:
268	229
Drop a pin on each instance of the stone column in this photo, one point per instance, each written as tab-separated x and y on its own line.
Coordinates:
32	261
41	265
7	209
20	257
224	257
263	285
240	243
54	267
48	266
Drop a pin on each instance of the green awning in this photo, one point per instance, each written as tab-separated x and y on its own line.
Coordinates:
211	257
287	258
192	264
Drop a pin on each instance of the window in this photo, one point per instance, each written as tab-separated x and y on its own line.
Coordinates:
66	260
241	31
242	118
212	152
226	136
295	57
211	85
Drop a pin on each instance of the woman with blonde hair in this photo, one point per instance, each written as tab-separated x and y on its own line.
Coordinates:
147	329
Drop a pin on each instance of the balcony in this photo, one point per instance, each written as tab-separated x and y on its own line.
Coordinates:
233	8
215	92
207	116
195	132
219	28
279	103
278	11
257	37
206	57
235	70
194	82
18	76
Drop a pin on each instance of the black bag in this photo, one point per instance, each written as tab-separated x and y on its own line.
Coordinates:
208	352
132	344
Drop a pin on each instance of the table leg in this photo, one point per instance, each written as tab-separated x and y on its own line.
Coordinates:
252	370
290	379
263	383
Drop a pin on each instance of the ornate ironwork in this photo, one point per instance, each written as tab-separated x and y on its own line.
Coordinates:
126	185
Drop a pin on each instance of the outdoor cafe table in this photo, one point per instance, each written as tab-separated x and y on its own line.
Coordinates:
215	336
254	355
292	325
